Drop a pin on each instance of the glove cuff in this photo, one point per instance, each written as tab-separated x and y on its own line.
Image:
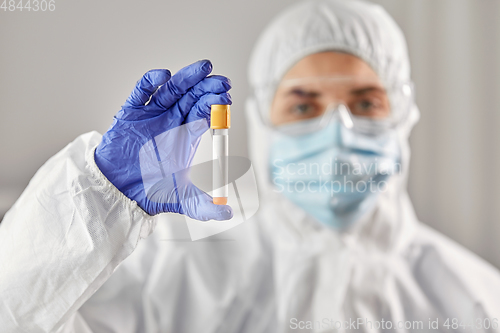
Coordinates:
113	194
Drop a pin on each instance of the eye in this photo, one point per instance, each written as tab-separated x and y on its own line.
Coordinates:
369	107
302	110
366	105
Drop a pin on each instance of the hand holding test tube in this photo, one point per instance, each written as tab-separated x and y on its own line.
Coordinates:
220	121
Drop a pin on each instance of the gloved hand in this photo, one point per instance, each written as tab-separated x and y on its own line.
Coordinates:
147	151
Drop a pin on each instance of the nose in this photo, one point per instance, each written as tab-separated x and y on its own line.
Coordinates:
343	112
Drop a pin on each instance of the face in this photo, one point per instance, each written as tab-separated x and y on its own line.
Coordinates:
327	79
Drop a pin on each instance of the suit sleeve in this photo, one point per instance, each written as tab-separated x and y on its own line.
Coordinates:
63	239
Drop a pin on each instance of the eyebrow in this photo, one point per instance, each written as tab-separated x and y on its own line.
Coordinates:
302	93
365	90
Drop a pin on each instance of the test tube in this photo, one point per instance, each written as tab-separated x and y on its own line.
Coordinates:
220	121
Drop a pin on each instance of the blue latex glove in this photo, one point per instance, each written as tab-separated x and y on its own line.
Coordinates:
147	151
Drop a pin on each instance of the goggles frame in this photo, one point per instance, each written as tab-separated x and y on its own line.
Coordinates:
400	93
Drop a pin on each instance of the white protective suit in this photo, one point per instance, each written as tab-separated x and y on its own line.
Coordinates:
73	257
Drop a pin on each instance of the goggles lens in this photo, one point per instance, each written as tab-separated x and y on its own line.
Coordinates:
363	104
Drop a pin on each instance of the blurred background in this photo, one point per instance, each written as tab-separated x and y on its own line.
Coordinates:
67	72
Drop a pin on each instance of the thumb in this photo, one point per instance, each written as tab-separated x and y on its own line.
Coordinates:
212	211
201	207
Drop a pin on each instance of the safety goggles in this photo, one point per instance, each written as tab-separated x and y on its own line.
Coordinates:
305	105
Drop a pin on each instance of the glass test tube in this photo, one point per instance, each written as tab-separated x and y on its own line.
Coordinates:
220	122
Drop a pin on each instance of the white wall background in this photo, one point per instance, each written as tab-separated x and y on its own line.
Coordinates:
67	72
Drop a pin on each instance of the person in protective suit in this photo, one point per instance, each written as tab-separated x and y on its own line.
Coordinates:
335	245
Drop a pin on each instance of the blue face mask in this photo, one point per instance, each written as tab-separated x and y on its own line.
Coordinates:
334	174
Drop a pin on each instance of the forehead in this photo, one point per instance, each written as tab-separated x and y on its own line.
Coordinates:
330	64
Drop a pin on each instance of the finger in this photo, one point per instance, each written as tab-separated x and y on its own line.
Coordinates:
213	84
180	83
201	110
146	86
